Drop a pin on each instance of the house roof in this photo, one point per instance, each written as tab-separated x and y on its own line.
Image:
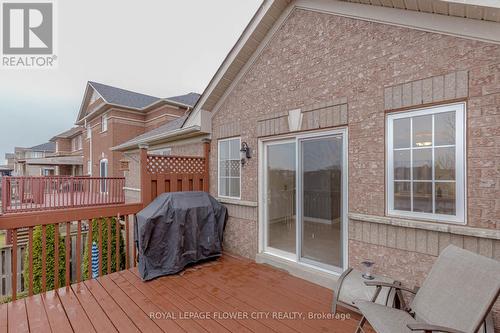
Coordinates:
48	147
68	134
114	95
473	19
188	99
5	168
131	100
146	137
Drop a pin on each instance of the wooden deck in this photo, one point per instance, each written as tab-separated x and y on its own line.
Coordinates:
228	295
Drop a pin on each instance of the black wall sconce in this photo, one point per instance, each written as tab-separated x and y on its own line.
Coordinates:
244	153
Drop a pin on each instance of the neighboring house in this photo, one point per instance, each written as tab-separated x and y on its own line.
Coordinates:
61	156
5	170
26	160
68	159
112	116
11	160
373	134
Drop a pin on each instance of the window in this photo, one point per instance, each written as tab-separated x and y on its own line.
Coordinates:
103	173
426	163
76	143
34	154
229	168
89	132
104	123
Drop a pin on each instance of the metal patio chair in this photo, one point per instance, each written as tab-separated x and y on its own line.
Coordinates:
456	297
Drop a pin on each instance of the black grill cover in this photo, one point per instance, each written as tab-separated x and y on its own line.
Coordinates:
178	229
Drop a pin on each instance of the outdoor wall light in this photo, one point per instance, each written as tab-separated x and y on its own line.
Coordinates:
367	265
244	153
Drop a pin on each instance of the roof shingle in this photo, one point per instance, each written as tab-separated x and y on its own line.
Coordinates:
188	99
48	146
113	95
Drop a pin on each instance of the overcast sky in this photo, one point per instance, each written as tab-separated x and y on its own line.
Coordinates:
161	48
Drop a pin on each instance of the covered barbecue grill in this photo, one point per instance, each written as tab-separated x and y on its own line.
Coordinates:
178	229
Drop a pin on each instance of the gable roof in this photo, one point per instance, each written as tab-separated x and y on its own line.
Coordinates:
48	147
68	134
113	96
118	96
473	19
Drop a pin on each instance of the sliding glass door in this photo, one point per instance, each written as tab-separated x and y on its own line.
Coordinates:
304	199
320	200
280	180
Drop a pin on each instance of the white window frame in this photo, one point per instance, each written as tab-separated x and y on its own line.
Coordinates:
104	123
460	164
79	142
218	168
103	186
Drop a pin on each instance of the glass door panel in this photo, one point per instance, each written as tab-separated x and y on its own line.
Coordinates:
321	200
280	187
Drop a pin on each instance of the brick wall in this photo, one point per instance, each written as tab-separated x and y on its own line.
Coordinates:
319	58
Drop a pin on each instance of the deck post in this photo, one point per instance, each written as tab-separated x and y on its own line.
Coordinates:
145	181
206	156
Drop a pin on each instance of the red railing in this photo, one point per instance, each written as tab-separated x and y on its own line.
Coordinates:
108	227
27	194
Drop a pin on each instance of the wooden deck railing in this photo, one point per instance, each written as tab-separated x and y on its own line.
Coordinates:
122	215
26	194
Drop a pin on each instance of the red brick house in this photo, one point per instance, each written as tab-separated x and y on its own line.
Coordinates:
112	116
373	133
26	160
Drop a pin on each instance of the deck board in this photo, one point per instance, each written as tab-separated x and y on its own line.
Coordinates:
147	305
37	317
230	324
134	312
3	318
155	297
119	318
219	305
231	286
56	314
17	317
255	292
74	311
98	317
238	305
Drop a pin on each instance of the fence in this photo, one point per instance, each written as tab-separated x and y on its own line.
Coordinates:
32	199
26	194
161	174
78	219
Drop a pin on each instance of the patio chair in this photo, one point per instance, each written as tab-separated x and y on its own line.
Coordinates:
456	297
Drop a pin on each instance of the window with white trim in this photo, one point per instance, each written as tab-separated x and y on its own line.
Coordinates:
426	163
229	168
104	123
76	143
